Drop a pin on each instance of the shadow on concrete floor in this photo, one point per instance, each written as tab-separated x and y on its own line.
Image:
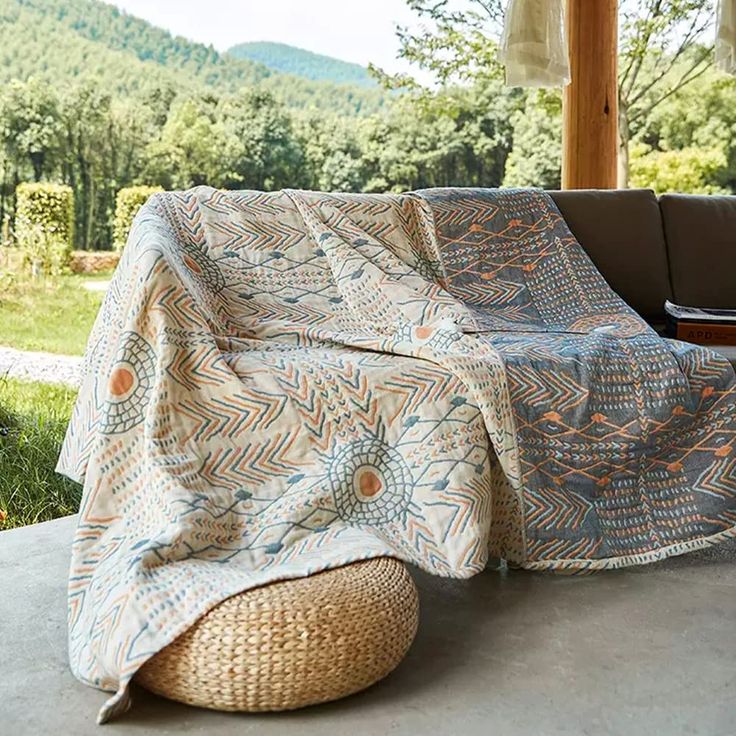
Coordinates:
645	650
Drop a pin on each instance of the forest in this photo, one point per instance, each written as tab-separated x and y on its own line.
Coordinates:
98	100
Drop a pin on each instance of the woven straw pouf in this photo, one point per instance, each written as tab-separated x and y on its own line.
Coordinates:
293	643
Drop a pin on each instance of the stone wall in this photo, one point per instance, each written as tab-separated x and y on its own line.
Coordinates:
94	261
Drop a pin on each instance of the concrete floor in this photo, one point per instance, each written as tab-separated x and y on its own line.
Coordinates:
647	650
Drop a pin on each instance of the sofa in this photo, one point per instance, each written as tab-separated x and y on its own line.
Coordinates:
678	247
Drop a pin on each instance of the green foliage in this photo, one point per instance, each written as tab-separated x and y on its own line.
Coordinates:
259	148
664	48
187	151
456	43
127	203
332	148
702	116
86	115
44	225
536	157
29	123
693	170
281	57
33	421
114	103
71	42
454	136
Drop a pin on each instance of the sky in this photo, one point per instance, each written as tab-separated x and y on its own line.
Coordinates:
353	30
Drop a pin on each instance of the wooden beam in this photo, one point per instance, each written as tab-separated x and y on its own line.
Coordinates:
590	104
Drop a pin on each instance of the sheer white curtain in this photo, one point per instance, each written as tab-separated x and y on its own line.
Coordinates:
534	44
726	36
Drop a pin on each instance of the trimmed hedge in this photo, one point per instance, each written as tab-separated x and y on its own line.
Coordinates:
127	203
44	225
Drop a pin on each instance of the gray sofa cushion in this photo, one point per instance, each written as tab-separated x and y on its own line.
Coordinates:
621	230
701	242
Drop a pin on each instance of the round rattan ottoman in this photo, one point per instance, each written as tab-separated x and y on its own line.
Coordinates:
292	643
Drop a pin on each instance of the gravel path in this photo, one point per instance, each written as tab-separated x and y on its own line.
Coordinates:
45	367
95	285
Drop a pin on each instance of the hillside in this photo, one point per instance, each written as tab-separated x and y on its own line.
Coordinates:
287	59
66	41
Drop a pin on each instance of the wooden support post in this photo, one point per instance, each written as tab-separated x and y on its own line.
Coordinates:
590	105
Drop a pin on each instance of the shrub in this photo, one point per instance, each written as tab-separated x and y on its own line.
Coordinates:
127	203
44	225
689	170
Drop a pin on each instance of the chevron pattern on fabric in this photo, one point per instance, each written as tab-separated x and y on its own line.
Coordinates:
627	441
282	383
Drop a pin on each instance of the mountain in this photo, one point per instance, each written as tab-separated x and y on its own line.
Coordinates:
67	41
287	59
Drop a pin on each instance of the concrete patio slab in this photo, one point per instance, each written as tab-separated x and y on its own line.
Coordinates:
647	650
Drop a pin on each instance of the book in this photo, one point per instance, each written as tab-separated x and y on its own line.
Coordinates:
701	326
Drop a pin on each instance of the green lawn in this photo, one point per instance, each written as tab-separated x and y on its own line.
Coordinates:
33	419
50	314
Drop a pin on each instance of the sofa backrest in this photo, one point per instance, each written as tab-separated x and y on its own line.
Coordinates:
701	243
621	230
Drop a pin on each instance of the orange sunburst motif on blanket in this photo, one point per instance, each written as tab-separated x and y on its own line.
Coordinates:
241	422
129	384
121	381
369	484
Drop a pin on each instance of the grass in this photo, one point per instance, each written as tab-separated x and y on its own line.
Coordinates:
50	314
33	420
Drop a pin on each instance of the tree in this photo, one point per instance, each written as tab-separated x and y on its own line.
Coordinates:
137	121
662	51
30	130
188	150
30	123
458	136
407	151
703	117
333	153
466	131
260	150
87	118
455	45
536	157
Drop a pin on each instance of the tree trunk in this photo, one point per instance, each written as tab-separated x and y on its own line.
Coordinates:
3	195
90	225
83	194
14	201
623	146
37	161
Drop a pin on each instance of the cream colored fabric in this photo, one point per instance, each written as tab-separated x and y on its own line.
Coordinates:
726	36
534	44
281	383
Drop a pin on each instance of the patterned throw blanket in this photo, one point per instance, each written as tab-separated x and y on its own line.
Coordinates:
282	383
